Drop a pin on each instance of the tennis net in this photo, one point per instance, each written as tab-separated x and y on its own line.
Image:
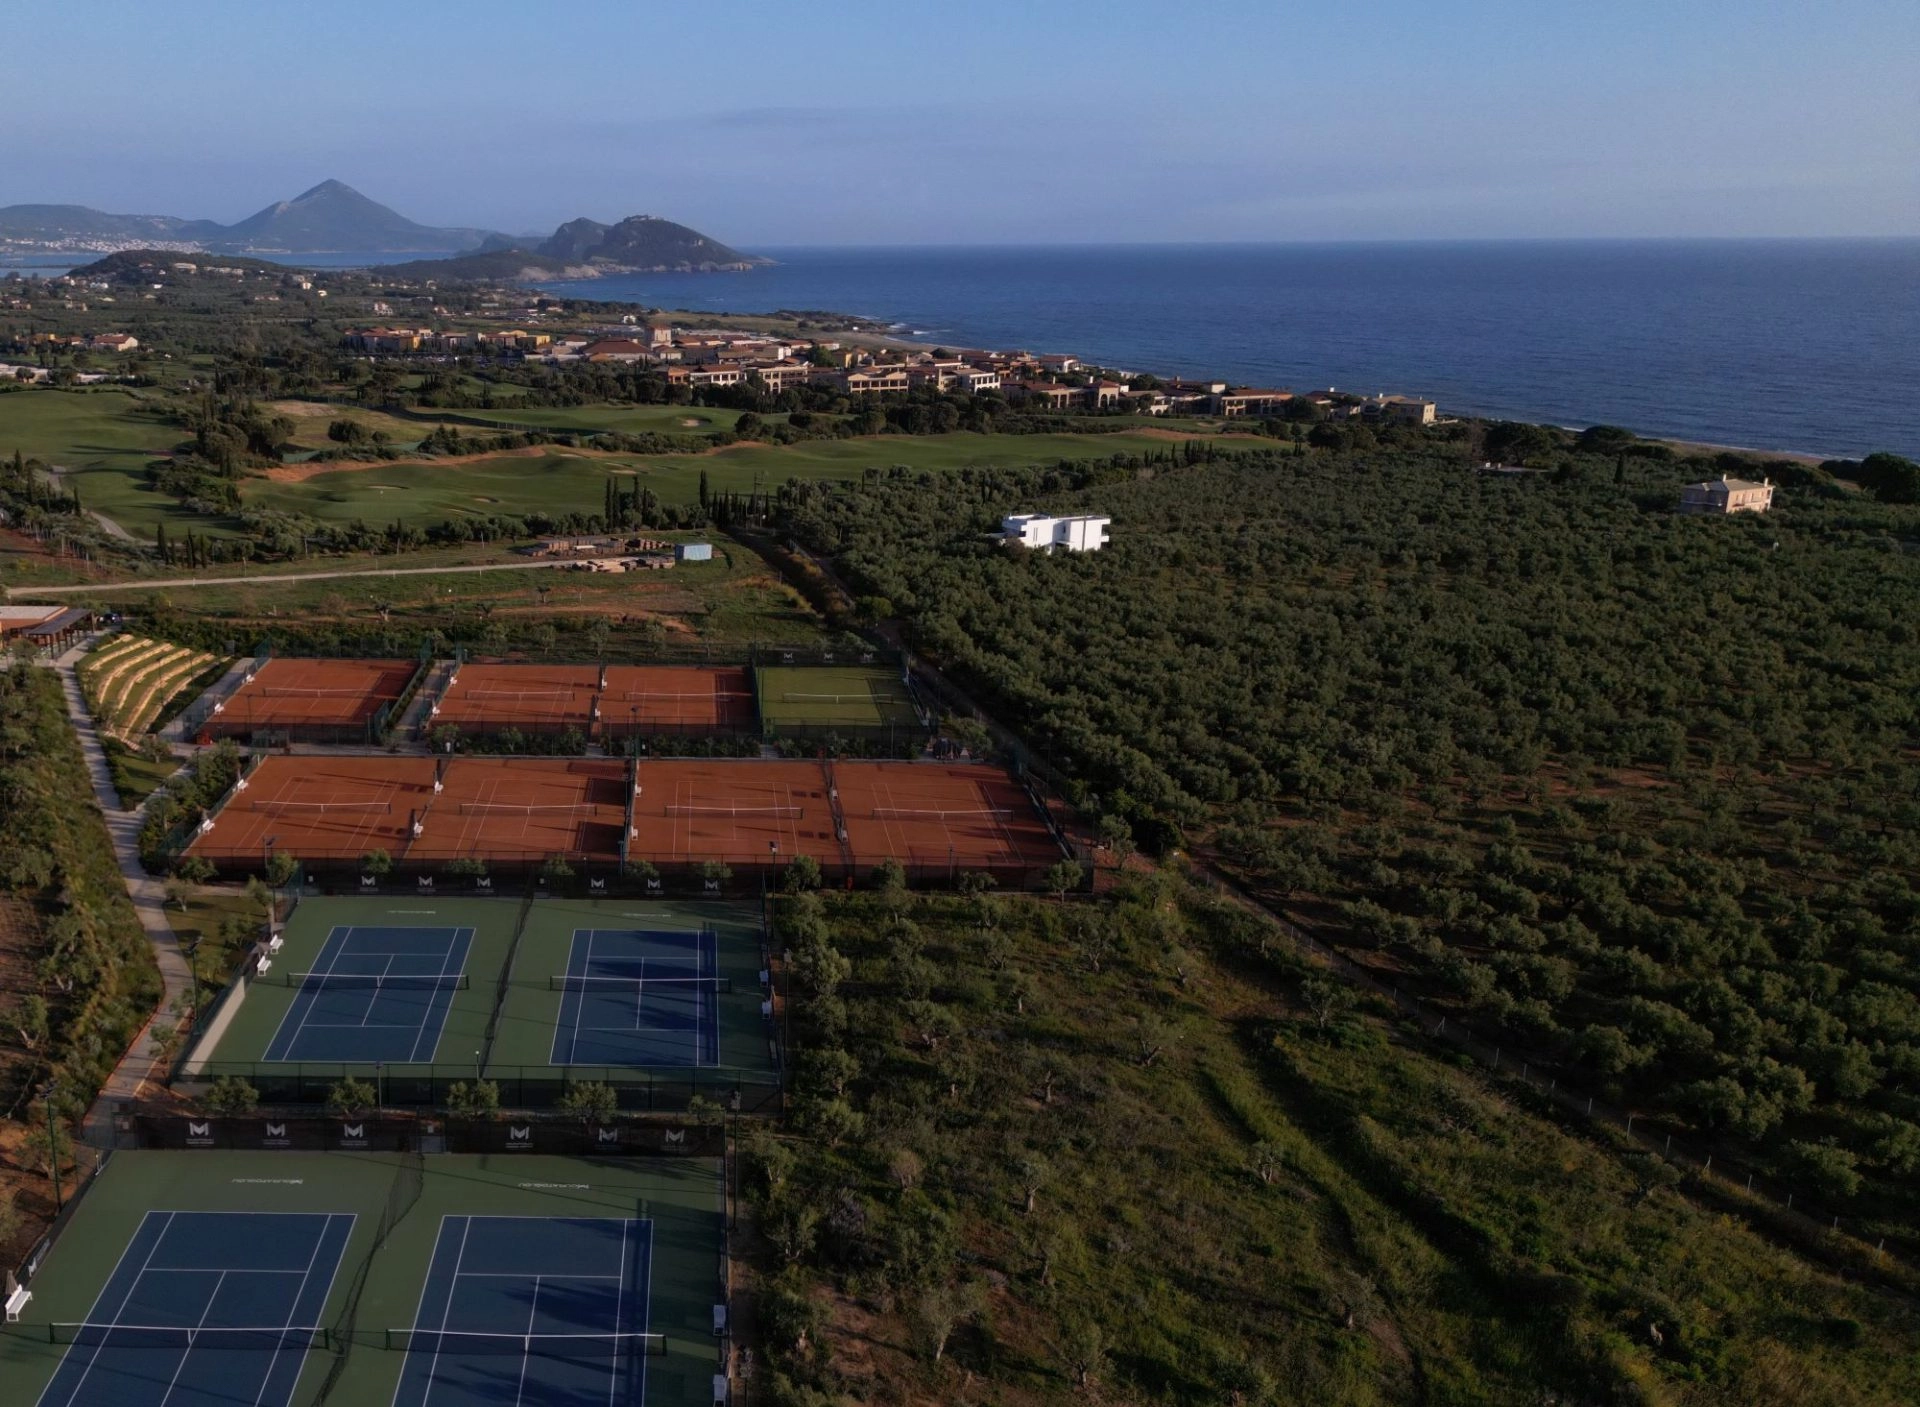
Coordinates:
518	695
778	813
718	695
378	981
910	813
501	808
572	982
323	808
273	1339
594	1346
281	691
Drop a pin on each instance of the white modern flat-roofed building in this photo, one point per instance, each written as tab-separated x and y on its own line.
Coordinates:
1086	532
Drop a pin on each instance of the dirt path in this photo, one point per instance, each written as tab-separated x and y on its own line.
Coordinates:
263	579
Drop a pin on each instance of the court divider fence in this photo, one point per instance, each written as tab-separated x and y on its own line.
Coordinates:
292	1085
296	1130
409	1182
571	877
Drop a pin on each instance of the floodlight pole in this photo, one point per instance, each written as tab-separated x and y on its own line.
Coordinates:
193	973
380	1088
476	1067
53	1146
773	863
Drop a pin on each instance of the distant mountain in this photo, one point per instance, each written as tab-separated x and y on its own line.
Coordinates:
587	249
335	216
57	224
574	241
331	217
642	243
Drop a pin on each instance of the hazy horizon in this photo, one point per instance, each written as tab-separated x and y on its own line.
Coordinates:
1083	123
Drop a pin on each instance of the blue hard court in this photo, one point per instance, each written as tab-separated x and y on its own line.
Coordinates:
535	1311
374	994
639	997
205	1309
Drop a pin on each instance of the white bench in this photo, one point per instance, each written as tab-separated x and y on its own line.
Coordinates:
18	1301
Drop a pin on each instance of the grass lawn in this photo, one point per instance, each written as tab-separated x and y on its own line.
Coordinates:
135	777
311	418
221	919
735	598
561	480
622	419
105	441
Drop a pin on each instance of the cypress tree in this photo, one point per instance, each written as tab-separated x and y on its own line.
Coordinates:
160	544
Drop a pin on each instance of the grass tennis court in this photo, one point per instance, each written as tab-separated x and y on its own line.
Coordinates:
834	696
417	993
204	1277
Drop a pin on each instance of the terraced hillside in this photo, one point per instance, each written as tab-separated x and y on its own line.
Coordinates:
131	679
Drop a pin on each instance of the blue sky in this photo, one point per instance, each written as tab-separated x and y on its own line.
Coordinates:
997	122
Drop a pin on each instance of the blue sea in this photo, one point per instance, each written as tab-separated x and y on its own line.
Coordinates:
1804	345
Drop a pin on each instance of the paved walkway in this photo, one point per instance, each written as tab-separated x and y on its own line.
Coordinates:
149	902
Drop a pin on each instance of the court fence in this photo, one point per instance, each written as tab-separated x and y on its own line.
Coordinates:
638	879
409	1182
299	1130
295	1084
88	1163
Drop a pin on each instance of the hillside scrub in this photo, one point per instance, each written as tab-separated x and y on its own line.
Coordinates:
81	976
1638	794
1125	1150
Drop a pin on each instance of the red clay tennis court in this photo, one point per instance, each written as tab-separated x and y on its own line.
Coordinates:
318	808
522	809
638	699
542	698
936	819
689	812
935	816
311	700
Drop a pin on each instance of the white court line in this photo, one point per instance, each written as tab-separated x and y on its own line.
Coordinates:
580	1008
521	1274
446	1313
273	1360
413	1051
385	970
151	1252
619	1304
325	1226
332	962
646	1305
526	1354
205	1310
